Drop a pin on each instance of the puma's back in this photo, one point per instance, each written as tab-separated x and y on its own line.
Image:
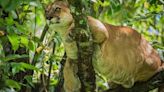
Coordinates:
121	54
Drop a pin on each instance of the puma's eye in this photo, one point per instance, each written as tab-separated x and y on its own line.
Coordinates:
57	9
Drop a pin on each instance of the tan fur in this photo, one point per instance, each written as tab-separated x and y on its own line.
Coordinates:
121	54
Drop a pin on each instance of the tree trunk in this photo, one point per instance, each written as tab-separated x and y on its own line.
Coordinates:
83	38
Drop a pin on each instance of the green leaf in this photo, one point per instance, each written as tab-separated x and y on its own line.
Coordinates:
14	15
13	84
31	45
2	22
12	5
54	82
28	78
24	41
28	66
9	20
16	67
55	67
105	3
33	3
1	51
36	39
14	56
4	3
21	28
14	40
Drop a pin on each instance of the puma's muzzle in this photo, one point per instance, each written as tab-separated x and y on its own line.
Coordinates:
48	17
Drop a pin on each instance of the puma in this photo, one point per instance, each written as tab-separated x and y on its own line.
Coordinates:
122	55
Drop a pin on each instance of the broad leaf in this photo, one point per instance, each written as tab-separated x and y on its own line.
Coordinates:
17	67
13	84
29	80
14	40
28	66
14	56
9	20
31	45
24	41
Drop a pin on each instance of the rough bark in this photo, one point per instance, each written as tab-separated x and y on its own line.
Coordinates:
85	45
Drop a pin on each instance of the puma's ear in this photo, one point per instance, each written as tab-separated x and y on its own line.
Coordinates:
98	29
63	2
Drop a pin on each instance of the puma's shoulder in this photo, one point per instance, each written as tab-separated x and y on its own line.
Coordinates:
123	31
103	32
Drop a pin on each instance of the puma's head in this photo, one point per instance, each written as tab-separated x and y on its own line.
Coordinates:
59	15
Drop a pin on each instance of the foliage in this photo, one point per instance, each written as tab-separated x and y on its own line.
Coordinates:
22	23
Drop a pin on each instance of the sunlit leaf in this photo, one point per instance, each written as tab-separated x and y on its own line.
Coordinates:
14	56
13	84
24	40
28	66
21	28
146	5
33	3
105	3
14	40
2	33
31	45
14	15
54	82
39	49
16	67
9	20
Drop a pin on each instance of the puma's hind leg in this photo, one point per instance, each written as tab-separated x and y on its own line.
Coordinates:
71	80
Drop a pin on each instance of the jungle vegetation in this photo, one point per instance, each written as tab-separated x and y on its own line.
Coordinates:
31	60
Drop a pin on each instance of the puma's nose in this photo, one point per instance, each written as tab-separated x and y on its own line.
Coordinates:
48	17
